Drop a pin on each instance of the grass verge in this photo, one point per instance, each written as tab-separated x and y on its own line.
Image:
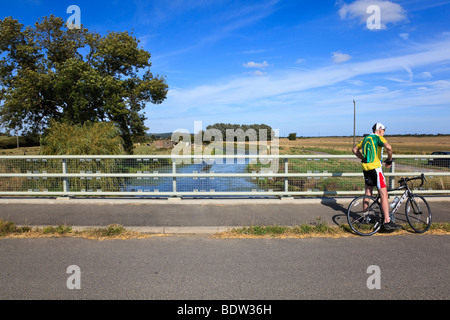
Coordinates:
319	229
9	229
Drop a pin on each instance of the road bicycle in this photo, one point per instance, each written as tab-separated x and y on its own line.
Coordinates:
365	215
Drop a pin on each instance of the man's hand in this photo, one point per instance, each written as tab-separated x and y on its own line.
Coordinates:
388	163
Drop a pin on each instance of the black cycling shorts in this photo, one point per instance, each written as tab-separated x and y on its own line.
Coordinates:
375	178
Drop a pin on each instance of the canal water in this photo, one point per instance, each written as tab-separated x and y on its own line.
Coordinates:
200	184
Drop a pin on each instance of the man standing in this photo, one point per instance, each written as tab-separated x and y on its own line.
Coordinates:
370	151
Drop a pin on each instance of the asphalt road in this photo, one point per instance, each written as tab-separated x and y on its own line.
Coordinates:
202	268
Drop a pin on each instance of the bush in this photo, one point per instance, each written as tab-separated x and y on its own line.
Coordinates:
292	136
10	142
101	138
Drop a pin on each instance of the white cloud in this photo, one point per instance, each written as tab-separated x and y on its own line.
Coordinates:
339	57
300	60
258	73
390	12
252	64
404	36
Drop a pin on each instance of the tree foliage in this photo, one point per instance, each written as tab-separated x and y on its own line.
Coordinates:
49	72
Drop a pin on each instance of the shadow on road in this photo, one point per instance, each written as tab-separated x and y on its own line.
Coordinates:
341	215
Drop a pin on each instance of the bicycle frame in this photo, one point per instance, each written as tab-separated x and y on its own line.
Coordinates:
407	194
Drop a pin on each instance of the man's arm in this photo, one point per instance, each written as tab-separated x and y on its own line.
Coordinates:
357	153
389	152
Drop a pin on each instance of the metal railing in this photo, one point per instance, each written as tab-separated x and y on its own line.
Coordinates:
213	176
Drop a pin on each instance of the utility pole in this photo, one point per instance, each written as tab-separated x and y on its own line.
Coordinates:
354	123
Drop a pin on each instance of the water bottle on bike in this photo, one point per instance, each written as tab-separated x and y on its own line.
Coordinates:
392	205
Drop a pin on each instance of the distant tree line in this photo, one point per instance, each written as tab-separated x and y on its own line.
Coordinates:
258	128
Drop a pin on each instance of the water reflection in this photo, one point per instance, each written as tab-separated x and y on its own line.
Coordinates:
199	184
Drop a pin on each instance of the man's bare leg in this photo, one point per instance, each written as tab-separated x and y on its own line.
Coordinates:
369	190
384	197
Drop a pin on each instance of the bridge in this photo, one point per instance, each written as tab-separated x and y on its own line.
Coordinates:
206	176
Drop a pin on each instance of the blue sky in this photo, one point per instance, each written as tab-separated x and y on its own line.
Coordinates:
294	65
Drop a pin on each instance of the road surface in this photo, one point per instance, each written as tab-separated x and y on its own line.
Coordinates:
202	268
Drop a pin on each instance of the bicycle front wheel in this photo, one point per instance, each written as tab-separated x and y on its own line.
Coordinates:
364	215
418	213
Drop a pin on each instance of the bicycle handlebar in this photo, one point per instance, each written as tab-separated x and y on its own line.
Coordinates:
403	181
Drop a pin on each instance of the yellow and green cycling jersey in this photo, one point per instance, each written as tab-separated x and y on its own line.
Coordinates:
372	151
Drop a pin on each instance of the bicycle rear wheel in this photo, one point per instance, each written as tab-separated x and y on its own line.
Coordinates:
365	216
418	213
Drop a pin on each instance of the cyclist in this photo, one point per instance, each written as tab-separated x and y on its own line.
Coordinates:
370	151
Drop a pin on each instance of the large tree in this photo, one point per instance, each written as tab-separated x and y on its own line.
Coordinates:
50	72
